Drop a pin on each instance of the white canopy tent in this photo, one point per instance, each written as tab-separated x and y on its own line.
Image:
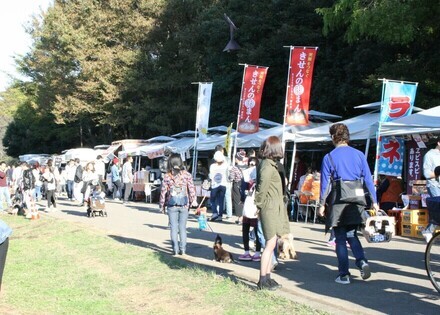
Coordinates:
427	121
361	127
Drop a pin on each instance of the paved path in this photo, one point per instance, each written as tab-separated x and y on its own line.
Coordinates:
398	285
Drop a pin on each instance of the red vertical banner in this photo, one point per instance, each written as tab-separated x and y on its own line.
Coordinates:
299	83
251	91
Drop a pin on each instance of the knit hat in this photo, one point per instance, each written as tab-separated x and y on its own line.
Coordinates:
241	155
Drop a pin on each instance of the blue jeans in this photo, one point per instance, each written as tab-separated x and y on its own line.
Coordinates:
69	187
228	200
343	235
37	193
263	243
218	200
4	197
178	216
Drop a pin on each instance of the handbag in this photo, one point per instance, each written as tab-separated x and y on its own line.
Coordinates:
348	191
249	208
379	228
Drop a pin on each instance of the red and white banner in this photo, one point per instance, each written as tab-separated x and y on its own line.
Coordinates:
299	83
251	91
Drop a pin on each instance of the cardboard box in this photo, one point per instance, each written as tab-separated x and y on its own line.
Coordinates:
415	216
414	201
418	187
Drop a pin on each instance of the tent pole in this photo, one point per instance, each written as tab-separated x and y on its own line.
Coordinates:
292	165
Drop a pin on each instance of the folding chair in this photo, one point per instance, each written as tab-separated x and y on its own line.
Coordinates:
310	204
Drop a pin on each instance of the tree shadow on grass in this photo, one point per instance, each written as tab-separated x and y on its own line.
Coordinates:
178	263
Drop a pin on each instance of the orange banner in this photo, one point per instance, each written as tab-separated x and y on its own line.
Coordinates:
251	91
299	84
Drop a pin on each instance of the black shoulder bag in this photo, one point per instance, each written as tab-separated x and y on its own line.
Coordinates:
348	191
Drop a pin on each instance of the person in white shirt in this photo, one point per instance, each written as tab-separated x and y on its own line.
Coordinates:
70	177
430	161
219	180
38	183
127	177
100	169
89	178
17	176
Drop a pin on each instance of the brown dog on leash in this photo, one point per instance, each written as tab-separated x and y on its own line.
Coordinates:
220	254
286	249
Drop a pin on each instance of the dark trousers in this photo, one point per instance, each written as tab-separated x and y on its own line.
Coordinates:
344	234
218	200
246	226
127	191
51	198
117	189
237	204
3	251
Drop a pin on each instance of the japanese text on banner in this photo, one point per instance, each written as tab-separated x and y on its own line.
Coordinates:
299	84
250	102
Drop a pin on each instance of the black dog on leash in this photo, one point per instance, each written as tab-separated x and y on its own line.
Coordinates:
220	254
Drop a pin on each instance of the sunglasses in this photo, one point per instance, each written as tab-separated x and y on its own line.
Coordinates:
252	164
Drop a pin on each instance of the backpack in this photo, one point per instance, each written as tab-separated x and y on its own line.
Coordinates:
178	192
78	174
28	180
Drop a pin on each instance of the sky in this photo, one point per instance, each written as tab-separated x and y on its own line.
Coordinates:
14	15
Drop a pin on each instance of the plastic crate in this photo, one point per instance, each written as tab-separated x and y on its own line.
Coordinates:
418	216
412	230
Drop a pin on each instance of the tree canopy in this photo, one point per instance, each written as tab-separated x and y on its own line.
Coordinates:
101	70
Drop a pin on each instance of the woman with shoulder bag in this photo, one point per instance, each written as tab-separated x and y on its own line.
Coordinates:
176	196
344	166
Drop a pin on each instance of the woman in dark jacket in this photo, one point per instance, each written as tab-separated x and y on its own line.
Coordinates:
269	201
348	164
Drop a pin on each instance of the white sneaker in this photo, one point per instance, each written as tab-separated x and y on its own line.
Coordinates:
427	234
365	270
343	280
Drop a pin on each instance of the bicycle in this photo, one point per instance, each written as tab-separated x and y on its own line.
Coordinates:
432	252
432	260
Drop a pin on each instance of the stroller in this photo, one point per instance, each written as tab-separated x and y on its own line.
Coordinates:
96	202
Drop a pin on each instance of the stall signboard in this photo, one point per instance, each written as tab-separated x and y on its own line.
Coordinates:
414	167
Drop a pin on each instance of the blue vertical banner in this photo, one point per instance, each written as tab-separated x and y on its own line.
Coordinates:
391	158
397	100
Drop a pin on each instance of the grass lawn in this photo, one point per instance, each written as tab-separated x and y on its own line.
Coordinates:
57	267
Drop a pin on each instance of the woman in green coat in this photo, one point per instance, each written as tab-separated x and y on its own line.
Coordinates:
269	201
